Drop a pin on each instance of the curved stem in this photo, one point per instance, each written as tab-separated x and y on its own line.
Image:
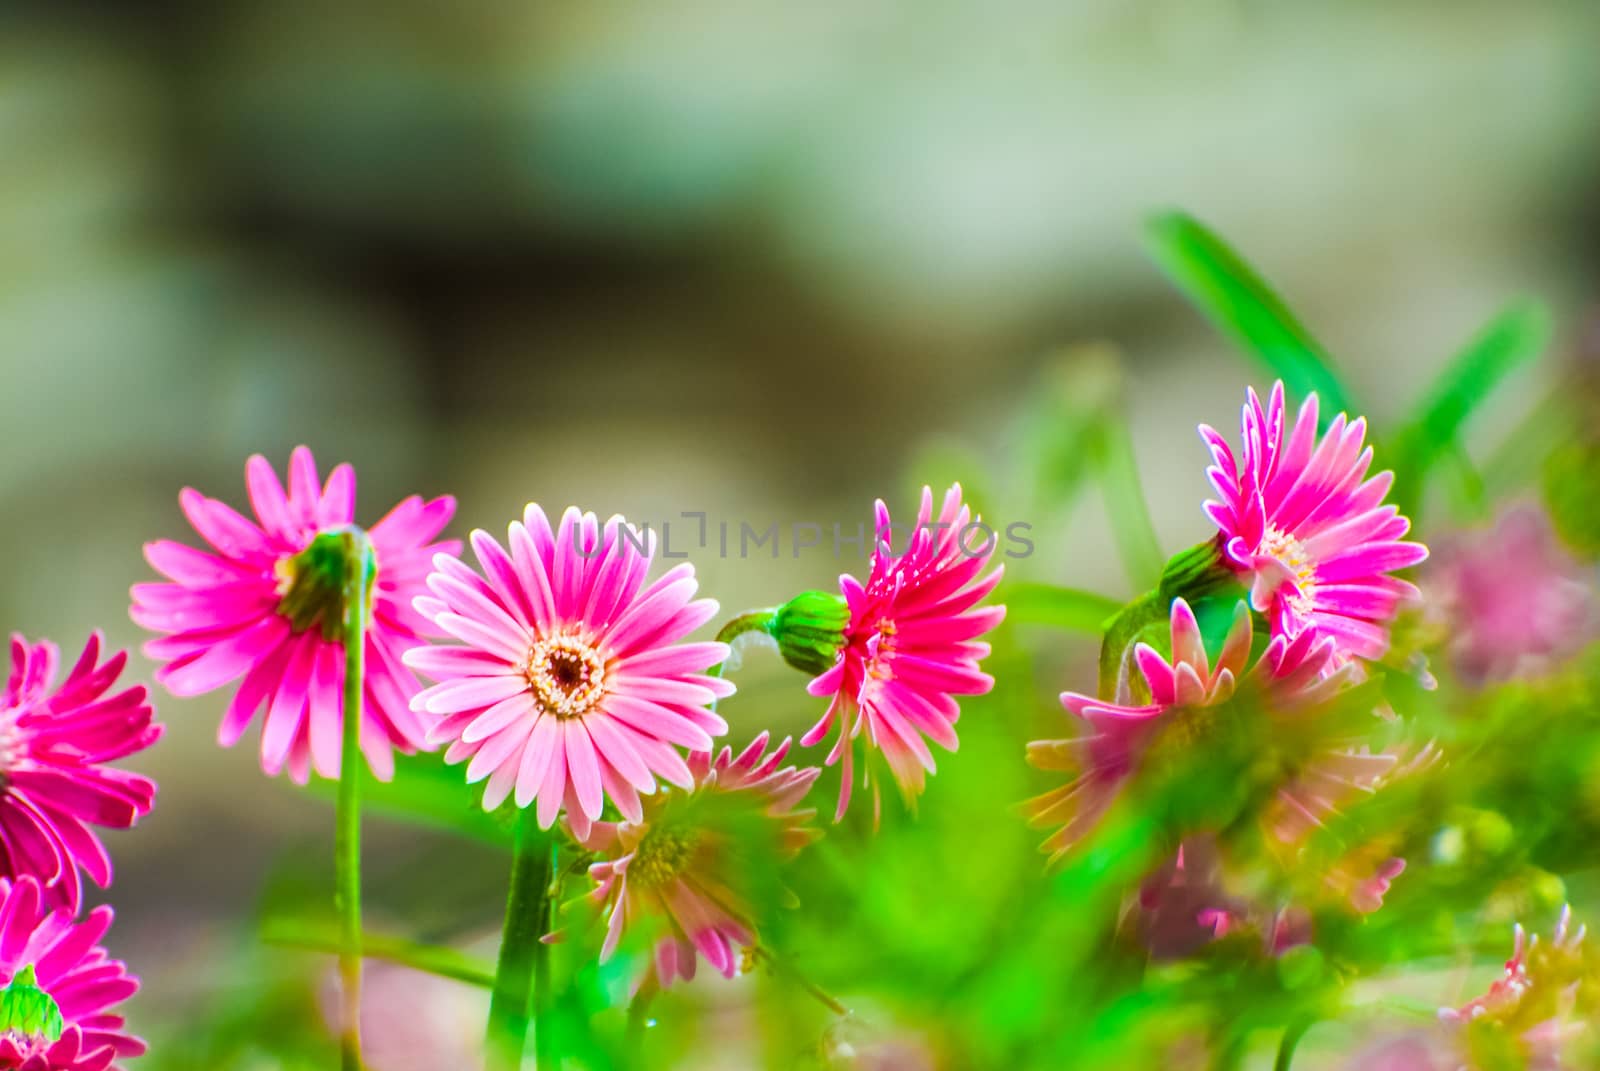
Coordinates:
1116	649
524	958
1291	1040
359	570
749	621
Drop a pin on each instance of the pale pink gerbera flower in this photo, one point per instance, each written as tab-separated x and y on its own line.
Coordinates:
1300	519
1291	675
911	646
58	986
1516	600
574	682
1293	679
681	863
55	743
266	604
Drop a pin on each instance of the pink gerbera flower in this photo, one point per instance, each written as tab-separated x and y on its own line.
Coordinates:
1300	519
267	604
58	987
55	743
1518	601
1291	674
911	646
573	683
679	863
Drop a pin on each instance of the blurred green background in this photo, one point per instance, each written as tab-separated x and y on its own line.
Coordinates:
765	261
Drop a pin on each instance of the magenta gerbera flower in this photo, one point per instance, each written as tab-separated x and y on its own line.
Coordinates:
911	646
266	605
573	683
1300	520
680	863
55	743
1290	674
57	986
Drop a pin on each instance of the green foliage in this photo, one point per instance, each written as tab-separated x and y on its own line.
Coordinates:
1511	340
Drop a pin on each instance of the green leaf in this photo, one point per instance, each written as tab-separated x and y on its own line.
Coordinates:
1046	604
1514	338
425	791
1240	304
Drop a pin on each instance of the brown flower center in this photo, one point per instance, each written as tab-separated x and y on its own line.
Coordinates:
566	675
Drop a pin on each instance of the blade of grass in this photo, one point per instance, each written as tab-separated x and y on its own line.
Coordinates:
1239	303
1512	339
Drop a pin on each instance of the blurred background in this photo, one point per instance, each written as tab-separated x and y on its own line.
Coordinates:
763	261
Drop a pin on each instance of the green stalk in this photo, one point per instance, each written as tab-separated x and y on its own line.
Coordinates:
524	959
359	570
1291	1040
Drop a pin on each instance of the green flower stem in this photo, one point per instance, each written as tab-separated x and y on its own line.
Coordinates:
1193	574
359	571
1116	650
751	621
1291	1040
524	959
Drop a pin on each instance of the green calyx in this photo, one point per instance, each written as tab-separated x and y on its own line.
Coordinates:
314	581
28	1010
810	630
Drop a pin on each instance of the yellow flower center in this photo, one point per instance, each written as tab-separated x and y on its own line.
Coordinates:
1288	550
662	855
883	649
566	675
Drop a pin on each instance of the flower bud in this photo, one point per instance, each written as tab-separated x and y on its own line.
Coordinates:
810	630
312	585
27	1010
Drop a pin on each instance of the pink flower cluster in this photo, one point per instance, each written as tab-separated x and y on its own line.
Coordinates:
573	683
57	741
1306	532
